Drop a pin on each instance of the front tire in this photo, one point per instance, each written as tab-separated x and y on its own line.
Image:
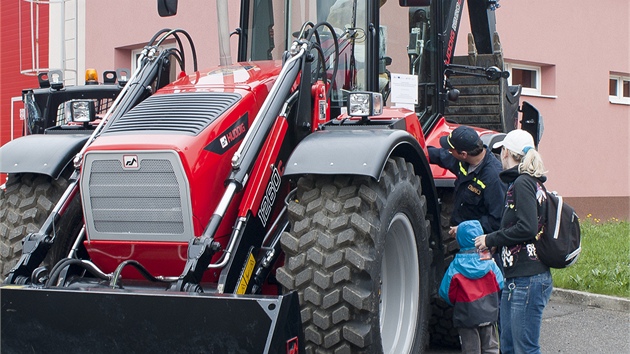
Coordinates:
358	255
24	206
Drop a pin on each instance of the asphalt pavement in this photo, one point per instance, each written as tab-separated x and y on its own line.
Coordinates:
577	322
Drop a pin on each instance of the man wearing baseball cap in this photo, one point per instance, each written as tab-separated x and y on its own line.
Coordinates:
479	193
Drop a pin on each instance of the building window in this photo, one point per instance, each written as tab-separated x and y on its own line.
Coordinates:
619	89
529	77
135	55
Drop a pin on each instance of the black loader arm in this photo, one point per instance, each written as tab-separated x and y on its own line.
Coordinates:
482	24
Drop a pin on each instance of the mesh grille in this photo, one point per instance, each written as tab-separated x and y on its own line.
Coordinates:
186	113
144	201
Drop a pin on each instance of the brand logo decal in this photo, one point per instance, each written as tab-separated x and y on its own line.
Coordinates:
131	162
451	40
270	196
229	137
292	346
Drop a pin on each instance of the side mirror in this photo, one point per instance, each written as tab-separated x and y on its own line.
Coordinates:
167	8
532	122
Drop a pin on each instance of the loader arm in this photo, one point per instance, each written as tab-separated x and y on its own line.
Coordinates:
270	117
37	245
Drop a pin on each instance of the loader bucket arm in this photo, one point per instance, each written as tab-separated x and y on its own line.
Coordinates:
201	249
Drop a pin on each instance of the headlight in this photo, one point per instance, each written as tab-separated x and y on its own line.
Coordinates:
364	104
82	111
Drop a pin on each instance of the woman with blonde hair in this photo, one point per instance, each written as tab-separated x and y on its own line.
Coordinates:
527	280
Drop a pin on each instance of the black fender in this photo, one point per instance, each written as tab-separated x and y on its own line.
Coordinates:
42	154
365	152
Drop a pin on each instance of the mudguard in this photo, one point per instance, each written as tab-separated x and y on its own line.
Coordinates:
128	321
356	152
43	154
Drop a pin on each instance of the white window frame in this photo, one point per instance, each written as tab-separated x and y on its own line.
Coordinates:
619	99
537	91
135	54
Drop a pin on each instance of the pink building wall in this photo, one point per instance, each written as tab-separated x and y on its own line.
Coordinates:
115	27
586	140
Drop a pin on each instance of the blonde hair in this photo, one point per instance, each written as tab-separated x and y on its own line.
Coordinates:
531	163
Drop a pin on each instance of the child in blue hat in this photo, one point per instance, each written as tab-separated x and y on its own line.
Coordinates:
472	286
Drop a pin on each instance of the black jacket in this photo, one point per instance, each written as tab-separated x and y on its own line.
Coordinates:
519	225
479	195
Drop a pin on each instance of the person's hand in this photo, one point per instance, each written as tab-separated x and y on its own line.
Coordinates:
452	231
480	242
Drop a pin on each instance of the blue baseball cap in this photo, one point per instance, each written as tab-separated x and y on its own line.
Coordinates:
463	138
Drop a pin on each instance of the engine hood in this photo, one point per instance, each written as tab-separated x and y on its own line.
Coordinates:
178	142
246	76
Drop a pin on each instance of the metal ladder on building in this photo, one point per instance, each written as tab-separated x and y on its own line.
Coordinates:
63	38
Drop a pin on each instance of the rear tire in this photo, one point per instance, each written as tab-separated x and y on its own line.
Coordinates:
24	206
441	329
358	255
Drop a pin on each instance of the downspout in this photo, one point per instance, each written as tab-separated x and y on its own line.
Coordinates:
225	57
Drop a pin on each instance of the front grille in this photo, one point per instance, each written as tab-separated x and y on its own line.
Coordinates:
147	203
184	113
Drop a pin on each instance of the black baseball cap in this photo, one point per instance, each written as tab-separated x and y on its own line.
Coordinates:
463	138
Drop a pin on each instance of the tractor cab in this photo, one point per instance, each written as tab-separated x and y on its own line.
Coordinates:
268	28
411	37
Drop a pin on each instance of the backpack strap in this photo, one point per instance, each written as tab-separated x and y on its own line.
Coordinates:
541	207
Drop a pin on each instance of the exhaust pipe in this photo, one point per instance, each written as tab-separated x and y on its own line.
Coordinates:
225	57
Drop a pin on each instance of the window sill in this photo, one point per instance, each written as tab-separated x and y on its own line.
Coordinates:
619	101
538	95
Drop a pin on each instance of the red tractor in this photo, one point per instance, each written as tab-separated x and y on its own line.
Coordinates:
270	205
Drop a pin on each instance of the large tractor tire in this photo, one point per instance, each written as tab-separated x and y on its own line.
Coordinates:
24	206
358	255
441	329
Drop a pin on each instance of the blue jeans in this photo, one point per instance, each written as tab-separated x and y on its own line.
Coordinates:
522	304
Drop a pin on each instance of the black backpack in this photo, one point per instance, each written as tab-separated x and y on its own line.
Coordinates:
558	243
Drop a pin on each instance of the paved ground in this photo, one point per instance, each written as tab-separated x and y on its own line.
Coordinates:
575	322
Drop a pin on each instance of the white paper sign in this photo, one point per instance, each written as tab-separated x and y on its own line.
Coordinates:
404	89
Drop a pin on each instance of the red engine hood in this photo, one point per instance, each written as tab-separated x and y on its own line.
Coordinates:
205	158
239	76
441	129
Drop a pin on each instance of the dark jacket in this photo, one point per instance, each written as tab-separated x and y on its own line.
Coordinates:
471	285
520	224
479	195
